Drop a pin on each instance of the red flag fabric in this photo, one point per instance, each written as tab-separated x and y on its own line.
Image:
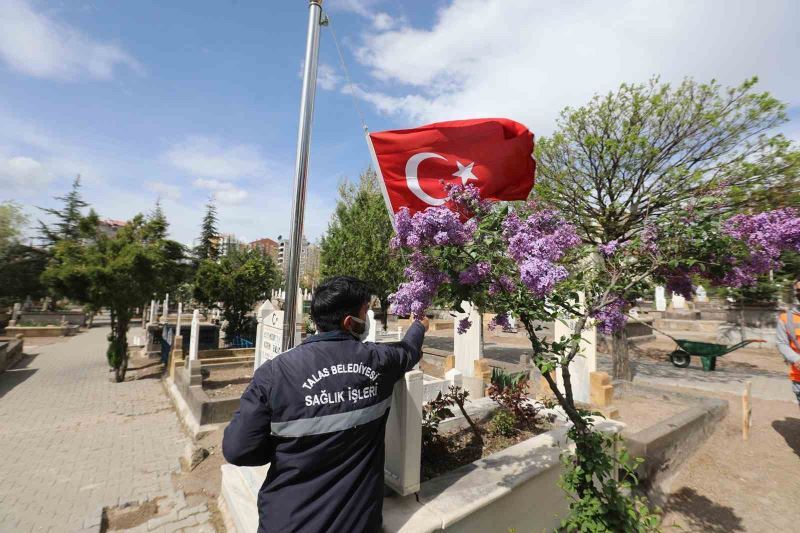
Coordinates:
494	154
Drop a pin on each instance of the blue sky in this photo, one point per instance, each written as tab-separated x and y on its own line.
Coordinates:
186	100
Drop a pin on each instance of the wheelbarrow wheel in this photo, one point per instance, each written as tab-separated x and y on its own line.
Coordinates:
679	358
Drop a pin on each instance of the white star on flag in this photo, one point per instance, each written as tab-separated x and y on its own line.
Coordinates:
465	172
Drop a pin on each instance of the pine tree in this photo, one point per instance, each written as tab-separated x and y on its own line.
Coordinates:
69	217
209	237
158	221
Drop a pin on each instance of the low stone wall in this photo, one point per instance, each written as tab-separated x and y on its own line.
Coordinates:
732	334
514	488
73	318
200	409
667	445
41	331
10	352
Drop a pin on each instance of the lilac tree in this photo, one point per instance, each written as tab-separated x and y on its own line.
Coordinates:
530	261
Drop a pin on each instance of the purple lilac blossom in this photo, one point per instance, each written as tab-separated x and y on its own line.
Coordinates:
536	243
463	325
650	239
436	226
610	317
609	248
475	273
503	284
467	199
680	283
501	320
415	295
767	235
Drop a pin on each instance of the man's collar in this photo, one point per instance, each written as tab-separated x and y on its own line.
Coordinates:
336	335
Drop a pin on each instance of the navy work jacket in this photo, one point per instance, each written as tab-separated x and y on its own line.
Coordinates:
317	414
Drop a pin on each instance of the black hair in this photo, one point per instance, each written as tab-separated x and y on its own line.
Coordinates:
336	298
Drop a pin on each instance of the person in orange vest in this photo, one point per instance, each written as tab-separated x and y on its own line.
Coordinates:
787	335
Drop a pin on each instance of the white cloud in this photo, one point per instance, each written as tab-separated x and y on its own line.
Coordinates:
35	44
528	60
327	78
380	20
173	192
223	192
209	158
23	172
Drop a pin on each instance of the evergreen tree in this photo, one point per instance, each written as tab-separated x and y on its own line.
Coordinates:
68	218
357	240
209	237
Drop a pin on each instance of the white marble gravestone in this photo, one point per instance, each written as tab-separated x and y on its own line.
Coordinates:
194	335
403	438
702	295
372	335
678	301
584	363
178	320
152	312
468	346
661	299
166	308
269	333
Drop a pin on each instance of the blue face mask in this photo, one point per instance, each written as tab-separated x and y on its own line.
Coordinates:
364	331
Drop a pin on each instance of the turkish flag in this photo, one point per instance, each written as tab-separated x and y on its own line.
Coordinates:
494	154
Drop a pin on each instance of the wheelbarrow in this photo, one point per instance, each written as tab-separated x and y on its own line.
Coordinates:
706	351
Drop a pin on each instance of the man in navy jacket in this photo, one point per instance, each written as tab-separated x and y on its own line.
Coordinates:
317	413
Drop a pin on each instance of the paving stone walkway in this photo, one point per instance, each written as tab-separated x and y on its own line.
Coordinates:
72	442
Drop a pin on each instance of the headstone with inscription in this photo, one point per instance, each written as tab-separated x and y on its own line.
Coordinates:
269	333
678	301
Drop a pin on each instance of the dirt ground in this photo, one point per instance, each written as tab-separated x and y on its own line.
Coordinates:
639	411
731	484
228	382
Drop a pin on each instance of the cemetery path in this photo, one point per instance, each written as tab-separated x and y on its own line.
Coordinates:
72	442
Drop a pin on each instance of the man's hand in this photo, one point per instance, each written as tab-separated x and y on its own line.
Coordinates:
425	323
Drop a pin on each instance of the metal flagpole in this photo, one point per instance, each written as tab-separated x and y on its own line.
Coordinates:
301	172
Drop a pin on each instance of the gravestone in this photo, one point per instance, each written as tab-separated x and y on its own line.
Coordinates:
152	319
269	333
178	320
584	363
661	299
403	440
678	301
372	325
702	295
166	307
468	346
45	303
15	314
27	305
194	335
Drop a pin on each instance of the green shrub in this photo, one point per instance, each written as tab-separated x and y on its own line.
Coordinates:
504	423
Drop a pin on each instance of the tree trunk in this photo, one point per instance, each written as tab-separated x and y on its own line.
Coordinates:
121	341
619	355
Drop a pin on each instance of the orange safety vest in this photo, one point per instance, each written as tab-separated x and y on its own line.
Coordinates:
794	373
